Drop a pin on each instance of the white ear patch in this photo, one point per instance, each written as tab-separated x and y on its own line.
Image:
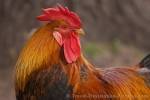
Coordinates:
58	37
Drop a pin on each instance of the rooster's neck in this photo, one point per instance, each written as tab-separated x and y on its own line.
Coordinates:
40	52
78	70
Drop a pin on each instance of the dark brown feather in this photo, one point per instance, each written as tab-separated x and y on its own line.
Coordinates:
46	84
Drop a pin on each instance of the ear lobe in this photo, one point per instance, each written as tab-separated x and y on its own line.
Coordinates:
58	37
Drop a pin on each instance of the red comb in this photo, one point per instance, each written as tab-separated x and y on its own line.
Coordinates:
59	12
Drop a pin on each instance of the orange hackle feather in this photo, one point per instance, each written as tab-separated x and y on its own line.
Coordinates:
37	53
42	52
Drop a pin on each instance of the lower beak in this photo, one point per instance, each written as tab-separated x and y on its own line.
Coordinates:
80	31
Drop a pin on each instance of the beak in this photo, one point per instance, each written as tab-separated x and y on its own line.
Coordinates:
80	31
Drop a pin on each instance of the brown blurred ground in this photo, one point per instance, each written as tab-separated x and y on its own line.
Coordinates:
118	32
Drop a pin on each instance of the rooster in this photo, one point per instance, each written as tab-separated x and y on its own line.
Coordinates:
51	66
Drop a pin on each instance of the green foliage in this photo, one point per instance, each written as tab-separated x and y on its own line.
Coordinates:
115	46
92	50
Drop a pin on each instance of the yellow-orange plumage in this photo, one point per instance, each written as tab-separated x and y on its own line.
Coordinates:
37	54
42	73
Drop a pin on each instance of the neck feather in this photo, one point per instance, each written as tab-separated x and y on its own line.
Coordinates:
40	50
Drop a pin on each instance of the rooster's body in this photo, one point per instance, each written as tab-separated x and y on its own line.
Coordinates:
52	67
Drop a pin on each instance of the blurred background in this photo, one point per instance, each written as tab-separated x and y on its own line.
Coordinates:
117	32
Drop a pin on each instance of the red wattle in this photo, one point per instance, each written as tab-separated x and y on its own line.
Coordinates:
72	48
71	45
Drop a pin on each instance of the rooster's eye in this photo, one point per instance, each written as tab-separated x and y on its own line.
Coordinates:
64	27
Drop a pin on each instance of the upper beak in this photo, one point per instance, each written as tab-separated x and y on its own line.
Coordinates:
80	31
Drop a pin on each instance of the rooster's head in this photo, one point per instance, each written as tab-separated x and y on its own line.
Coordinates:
67	27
